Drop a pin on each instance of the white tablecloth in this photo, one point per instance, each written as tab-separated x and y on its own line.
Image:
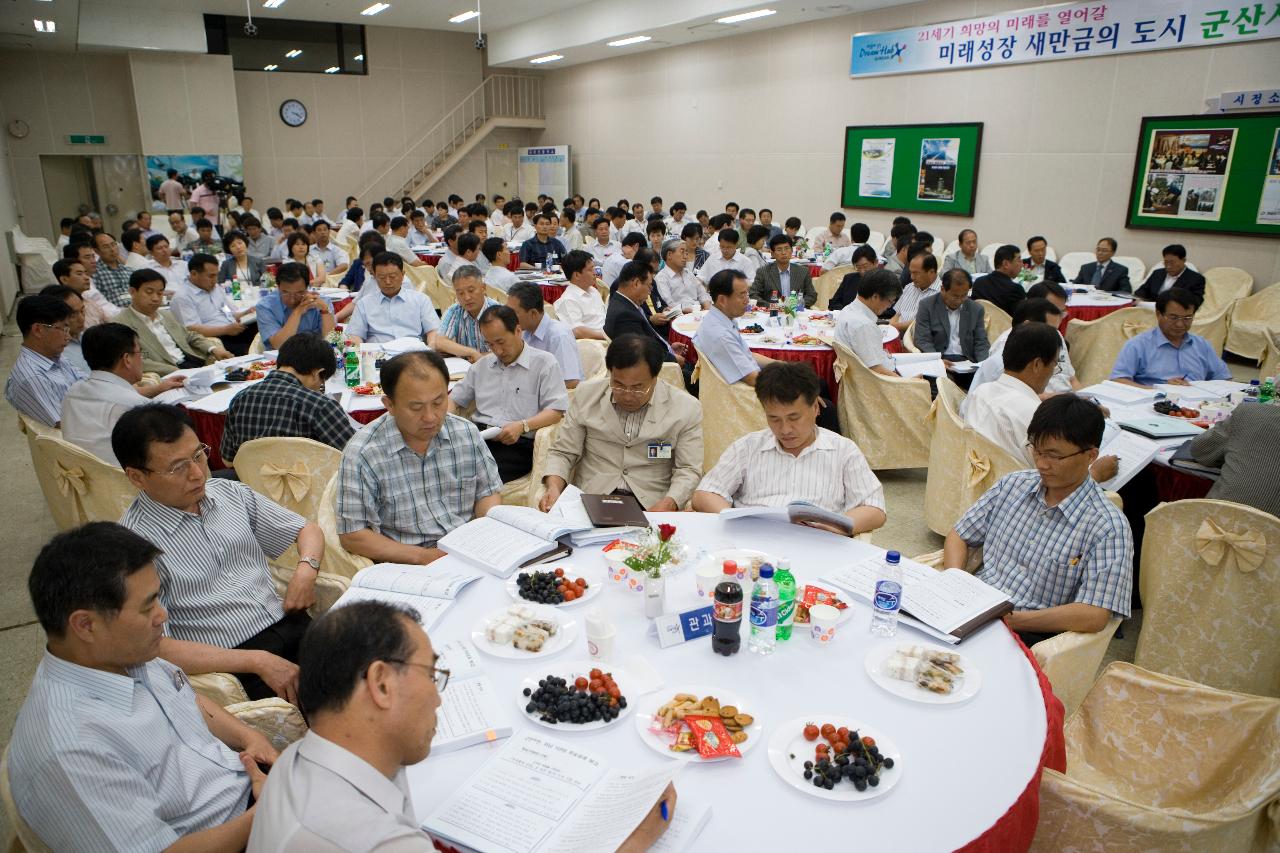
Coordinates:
1094	298
962	765
778	337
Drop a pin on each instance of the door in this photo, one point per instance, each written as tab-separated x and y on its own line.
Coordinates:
68	184
500	172
123	188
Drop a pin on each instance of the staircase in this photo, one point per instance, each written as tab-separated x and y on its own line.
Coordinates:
502	100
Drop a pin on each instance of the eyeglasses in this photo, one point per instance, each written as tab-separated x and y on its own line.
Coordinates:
177	469
61	327
630	392
1053	457
439	677
1179	319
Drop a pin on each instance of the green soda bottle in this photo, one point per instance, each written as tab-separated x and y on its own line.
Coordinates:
786	599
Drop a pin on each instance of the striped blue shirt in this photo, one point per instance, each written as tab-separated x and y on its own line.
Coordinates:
36	385
1078	551
461	328
101	761
214	578
383	485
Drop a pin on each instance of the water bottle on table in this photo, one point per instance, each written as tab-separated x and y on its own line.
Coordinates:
764	613
726	639
786	599
887	600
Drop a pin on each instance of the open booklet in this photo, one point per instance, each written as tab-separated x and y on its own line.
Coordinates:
912	364
571	508
1133	452
949	605
795	512
471	711
429	591
547	795
510	537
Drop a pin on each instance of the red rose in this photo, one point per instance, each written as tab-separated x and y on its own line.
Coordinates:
666	531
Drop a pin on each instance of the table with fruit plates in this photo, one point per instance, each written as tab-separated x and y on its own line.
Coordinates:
968	773
778	342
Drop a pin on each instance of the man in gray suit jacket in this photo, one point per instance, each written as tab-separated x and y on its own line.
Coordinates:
769	277
950	322
166	345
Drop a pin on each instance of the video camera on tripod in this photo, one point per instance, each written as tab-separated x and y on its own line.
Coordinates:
220	184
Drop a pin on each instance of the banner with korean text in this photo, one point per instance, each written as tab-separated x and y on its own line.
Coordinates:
1063	31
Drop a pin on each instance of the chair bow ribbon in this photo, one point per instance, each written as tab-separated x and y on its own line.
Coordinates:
979	467
1230	549
296	478
1132	330
70	480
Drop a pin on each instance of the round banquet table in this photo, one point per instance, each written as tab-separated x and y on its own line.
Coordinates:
210	425
821	356
552	292
970	772
1088	306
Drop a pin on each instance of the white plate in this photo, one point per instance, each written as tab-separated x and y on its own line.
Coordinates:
646	710
968	687
563	638
788	739
569	673
595	583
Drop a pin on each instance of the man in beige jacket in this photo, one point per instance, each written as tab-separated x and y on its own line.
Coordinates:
629	432
166	344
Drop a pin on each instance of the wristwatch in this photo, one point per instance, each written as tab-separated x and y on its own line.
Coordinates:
310	561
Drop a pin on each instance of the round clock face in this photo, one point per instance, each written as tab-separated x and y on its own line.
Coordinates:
293	113
18	128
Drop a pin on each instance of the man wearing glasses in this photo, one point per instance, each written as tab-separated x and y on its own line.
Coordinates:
629	433
1050	538
40	378
217	535
1169	354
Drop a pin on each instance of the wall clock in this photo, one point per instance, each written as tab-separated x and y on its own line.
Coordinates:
18	128
293	112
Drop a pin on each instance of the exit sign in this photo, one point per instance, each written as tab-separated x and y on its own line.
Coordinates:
87	139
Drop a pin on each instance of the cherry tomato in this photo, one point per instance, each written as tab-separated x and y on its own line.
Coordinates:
580	683
842	746
843	732
868	741
595	673
595	685
823	749
568	594
559	573
810	731
582	582
828	730
614	692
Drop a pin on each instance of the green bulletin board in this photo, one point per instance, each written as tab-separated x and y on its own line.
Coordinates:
926	168
1217	172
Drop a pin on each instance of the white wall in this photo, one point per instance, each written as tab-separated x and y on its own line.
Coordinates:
8	219
759	119
186	103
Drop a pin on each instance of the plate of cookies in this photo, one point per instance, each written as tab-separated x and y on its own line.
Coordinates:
697	724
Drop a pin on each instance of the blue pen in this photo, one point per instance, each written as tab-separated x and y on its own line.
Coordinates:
663	804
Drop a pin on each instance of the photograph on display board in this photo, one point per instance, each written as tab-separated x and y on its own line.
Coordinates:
1269	206
1186	174
939	160
875	177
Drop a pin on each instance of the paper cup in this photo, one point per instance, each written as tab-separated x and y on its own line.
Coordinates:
822	623
708	576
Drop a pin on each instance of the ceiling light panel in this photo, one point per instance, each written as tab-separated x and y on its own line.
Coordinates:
376	8
746	16
464	17
631	40
550	57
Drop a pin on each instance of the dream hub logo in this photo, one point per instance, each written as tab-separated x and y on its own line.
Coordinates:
882	52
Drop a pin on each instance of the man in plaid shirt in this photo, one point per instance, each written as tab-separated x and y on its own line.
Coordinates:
111	277
291	401
1050	538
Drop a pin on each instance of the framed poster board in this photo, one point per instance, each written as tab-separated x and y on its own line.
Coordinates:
923	168
1217	172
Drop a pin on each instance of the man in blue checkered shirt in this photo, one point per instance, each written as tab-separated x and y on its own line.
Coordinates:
1051	540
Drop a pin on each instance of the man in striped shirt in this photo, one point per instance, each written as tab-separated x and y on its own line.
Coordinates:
459	332
112	749
40	377
408	479
217	536
794	459
1050	538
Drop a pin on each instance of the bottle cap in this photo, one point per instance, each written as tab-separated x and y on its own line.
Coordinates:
730	567
766	571
892	557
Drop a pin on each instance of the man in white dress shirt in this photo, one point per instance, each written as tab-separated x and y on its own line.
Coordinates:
395	311
92	406
718	338
420	235
1030	310
924	282
727	258
397	240
517	230
499	273
856	324
581	307
603	247
202	306
162	261
351	226
335	259
541	332
794	459
676	283
627	249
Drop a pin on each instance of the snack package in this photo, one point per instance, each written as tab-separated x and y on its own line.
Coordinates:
711	737
812	595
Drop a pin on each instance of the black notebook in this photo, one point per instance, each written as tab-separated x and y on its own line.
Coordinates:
614	511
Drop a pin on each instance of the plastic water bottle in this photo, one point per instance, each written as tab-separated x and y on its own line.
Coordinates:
351	367
727	639
1267	391
786	600
764	613
1254	389
888	597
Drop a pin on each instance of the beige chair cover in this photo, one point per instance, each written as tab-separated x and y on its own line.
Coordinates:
1223	286
728	412
26	838
1250	319
1271	358
292	472
1070	661
255	346
329	587
944	491
497	293
672	375
886	416
985	462
1156	763
222	687
426	280
1210	581
277	719
543	440
828	283
591	354
1213	327
909	338
337	559
994	319
78	486
1095	344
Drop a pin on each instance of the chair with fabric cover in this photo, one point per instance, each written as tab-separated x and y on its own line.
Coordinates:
292	472
1213	326
543	440
1072	262
337	559
886	416
1158	763
547	308
985	462
728	412
1223	286
944	487
909	338
1095	344
1210	583
994	319
329	587
494	292
604	290
426	280
1070	661
953	246
277	719
672	375
989	252
591	354
26	838
1250	319
255	346
222	687
1136	266
1271	358
876	241
78	486
828	283
813	233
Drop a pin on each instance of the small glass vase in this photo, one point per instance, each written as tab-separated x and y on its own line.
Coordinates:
654	597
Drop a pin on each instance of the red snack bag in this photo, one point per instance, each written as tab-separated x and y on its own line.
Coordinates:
711	737
815	595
